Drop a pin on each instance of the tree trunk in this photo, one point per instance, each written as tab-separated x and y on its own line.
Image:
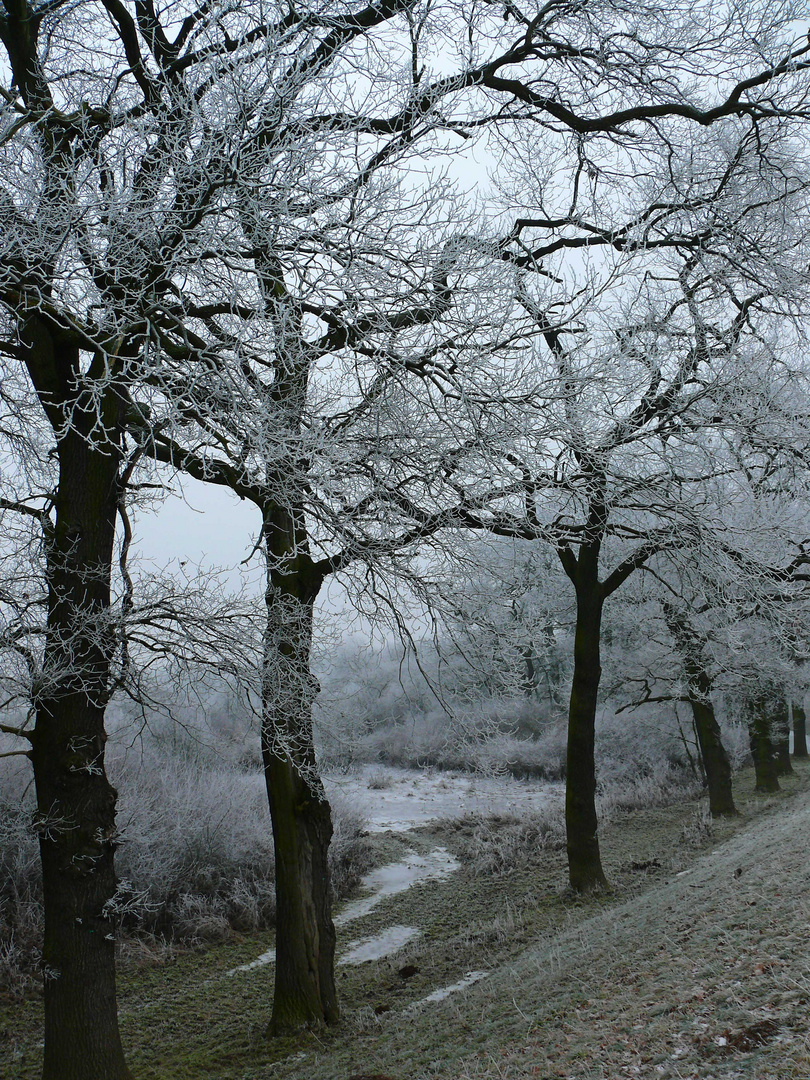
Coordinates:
799	731
305	993
712	752
781	738
715	759
584	860
75	801
759	732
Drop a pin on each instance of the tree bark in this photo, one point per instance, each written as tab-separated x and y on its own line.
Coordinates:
712	752
759	731
715	759
781	737
305	993
799	731
584	859
75	801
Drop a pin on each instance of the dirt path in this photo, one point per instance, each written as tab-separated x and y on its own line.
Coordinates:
702	977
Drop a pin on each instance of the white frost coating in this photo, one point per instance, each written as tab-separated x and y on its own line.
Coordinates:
384	881
260	961
396	878
411	798
391	940
445	991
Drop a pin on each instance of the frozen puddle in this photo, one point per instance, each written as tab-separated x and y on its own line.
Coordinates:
396	878
389	941
399	800
380	883
445	991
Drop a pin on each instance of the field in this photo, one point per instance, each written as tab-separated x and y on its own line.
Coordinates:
694	966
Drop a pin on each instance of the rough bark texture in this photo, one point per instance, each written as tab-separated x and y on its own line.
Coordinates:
75	801
799	731
305	993
716	765
584	860
759	732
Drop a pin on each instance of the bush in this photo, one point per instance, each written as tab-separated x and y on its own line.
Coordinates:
195	861
20	884
499	845
660	784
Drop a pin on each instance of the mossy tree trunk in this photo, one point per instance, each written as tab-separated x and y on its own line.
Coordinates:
716	765
305	993
75	815
799	731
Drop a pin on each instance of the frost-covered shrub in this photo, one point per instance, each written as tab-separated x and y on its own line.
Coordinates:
737	742
660	784
195	861
20	881
350	855
196	854
501	844
699	829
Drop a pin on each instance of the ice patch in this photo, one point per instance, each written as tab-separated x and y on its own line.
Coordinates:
260	961
384	881
389	941
445	991
396	878
411	798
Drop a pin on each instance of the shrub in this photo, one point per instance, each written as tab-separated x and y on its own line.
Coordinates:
658	784
195	861
502	844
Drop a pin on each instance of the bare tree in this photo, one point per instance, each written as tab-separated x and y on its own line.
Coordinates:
647	357
146	158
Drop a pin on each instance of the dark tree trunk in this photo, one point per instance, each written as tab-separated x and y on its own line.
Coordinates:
305	993
781	738
712	752
75	800
715	759
799	731
584	860
759	732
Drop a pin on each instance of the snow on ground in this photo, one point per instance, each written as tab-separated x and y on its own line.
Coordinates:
268	957
398	800
396	878
445	991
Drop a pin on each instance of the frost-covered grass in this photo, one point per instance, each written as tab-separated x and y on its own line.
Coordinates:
495	845
592	988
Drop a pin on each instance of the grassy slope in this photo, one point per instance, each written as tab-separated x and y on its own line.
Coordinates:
641	984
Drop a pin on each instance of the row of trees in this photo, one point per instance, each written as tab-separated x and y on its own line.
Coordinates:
230	247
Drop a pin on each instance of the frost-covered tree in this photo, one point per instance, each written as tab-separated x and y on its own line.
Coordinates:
650	347
157	164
